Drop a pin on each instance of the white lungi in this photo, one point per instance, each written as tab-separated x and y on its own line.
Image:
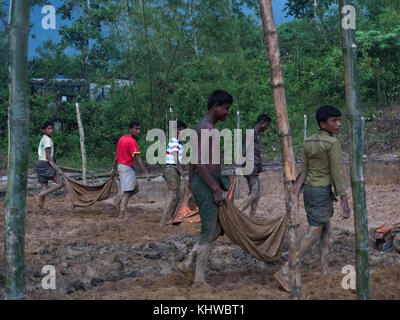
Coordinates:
127	177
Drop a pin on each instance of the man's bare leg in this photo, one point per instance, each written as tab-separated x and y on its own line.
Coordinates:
124	202
255	188
201	263
254	193
187	266
169	210
324	247
38	198
312	236
115	201
42	195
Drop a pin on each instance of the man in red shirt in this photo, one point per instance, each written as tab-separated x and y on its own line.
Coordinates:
127	153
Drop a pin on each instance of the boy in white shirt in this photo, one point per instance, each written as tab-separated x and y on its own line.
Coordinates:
46	167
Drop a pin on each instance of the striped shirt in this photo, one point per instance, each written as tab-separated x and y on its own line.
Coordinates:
174	146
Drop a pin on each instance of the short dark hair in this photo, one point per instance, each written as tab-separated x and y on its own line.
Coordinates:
263	118
46	124
219	97
181	124
133	124
325	112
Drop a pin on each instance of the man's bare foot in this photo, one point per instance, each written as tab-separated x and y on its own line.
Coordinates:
325	270
116	204
253	214
162	221
282	282
201	284
122	214
187	272
40	201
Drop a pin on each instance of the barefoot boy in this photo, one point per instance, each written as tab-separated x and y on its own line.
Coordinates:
321	167
207	185
46	167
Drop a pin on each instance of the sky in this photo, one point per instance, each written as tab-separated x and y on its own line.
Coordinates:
39	35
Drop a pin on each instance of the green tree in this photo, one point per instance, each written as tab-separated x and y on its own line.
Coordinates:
18	151
87	29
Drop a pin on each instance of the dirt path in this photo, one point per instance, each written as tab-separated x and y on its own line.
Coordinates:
97	256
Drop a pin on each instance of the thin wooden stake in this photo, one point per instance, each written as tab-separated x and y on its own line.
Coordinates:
82	142
289	166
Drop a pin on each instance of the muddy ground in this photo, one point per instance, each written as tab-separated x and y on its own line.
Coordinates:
98	256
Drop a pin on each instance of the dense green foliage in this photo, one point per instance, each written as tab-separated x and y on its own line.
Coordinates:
175	53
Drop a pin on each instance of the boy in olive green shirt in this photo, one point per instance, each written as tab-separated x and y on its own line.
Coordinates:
321	167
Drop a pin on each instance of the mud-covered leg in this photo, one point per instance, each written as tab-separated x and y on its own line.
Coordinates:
124	202
169	210
324	247
312	236
256	192
42	195
115	201
201	264
186	267
251	197
40	199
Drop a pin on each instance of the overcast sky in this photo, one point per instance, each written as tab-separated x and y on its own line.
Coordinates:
39	35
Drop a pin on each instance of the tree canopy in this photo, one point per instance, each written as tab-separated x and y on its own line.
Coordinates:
173	54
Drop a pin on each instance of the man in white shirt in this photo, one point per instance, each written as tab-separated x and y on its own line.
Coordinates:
172	174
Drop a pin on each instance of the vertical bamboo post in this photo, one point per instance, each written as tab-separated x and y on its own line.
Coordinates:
289	168
166	127
82	142
305	127
349	48
172	114
18	151
238	126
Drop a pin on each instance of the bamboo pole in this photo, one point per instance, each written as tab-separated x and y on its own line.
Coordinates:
18	151
237	189
356	135
172	114
289	168
82	142
305	127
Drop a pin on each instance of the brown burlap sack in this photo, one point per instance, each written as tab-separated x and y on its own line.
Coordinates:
82	195
261	238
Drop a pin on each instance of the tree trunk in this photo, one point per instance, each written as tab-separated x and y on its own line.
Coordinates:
82	142
18	151
86	86
356	155
378	88
289	168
